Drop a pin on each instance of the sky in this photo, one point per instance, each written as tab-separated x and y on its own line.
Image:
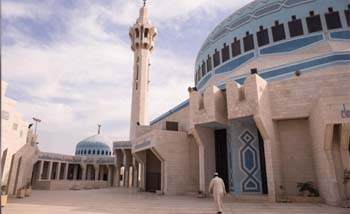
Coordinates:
69	62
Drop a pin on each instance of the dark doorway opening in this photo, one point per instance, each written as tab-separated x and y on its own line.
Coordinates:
262	164
153	172
221	155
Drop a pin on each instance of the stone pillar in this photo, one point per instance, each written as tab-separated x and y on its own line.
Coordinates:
127	161
41	170
109	177
136	174
75	172
117	176
65	175
49	171
83	174
126	176
58	171
97	172
119	161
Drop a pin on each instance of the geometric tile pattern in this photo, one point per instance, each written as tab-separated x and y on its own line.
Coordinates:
249	162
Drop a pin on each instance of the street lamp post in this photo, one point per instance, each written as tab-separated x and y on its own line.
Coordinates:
36	124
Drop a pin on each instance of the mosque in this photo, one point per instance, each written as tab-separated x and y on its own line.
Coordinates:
269	110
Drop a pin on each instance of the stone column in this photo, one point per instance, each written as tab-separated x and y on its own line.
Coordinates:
41	170
126	176
97	172
117	176
49	171
65	175
136	173
83	174
75	172
119	161
58	171
109	177
127	162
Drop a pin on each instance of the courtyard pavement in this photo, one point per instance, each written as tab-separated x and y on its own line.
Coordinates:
124	201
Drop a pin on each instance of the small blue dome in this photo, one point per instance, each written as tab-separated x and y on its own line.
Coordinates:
95	145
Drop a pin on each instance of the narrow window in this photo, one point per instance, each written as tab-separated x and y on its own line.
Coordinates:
313	22
195	78
209	64
199	73
137	72
248	42
89	152
236	47
225	53
98	152
146	32
278	32
93	152
203	68
102	152
295	27
263	36
137	33
216	58
332	19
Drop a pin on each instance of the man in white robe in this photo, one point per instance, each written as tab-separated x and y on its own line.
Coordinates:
217	188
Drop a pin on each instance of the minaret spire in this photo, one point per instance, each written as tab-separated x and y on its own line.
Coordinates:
142	35
98	129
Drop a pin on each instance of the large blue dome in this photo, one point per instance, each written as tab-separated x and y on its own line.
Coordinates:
95	145
264	29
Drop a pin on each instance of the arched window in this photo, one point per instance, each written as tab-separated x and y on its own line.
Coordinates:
93	151
146	32
98	152
85	152
102	152
89	152
106	153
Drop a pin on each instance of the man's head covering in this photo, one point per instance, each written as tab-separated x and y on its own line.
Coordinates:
216	174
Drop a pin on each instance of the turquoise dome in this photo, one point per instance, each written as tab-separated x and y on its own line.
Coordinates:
264	28
94	146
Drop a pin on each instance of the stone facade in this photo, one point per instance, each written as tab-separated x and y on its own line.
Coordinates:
285	122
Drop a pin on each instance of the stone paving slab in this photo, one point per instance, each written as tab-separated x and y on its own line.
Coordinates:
123	201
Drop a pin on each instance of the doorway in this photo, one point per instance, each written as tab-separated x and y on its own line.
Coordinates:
221	155
153	172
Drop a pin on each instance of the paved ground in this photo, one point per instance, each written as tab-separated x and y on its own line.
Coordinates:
124	202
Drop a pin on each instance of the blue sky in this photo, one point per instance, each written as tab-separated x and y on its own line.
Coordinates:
69	62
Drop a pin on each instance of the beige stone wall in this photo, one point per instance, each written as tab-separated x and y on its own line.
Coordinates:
296	154
180	167
69	184
295	97
180	116
13	131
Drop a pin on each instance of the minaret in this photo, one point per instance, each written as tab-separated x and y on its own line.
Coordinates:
142	36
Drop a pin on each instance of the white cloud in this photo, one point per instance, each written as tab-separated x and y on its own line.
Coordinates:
85	78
